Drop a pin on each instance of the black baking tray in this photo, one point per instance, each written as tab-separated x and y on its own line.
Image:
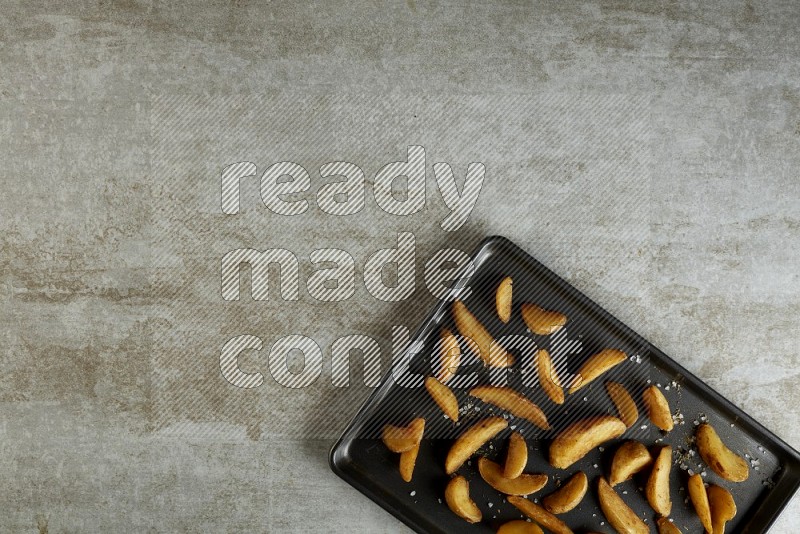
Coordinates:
360	458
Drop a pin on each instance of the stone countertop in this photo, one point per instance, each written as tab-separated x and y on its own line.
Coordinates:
646	152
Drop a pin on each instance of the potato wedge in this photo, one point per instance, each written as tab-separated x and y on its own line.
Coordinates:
443	396
657	489
489	350
524	484
624	403
568	496
540	515
456	494
472	440
619	514
665	526
403	438
408	460
723	508
631	458
519	526
541	321
514	403
517	456
548	378
502	299
720	458
658	408
699	498
597	365
580	437
449	356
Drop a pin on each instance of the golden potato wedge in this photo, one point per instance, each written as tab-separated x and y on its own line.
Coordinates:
489	350
519	526
449	356
723	508
665	526
548	378
657	489
408	460
699	498
443	396
568	496
580	437
517	456
619	514
514	403
658	408
472	440
456	494
524	484
631	458
624	403
597	365
720	458
541	321
403	438
539	515
503	299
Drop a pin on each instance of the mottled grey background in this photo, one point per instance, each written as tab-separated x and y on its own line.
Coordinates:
647	152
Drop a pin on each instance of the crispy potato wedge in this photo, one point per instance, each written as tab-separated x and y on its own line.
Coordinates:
665	526
449	356
541	321
524	484
519	526
502	299
657	489
408	460
723	508
403	438
597	365
443	396
472	440
658	408
514	403
580	437
720	458
568	496
489	350
548	378
456	494
699	498
517	456
619	514
540	515
631	458
624	403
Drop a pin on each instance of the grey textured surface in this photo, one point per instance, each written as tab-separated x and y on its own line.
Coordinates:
647	152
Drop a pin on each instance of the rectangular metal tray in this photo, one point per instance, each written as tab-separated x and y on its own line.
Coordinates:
362	460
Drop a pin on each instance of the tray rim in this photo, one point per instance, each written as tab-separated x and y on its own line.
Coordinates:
765	513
